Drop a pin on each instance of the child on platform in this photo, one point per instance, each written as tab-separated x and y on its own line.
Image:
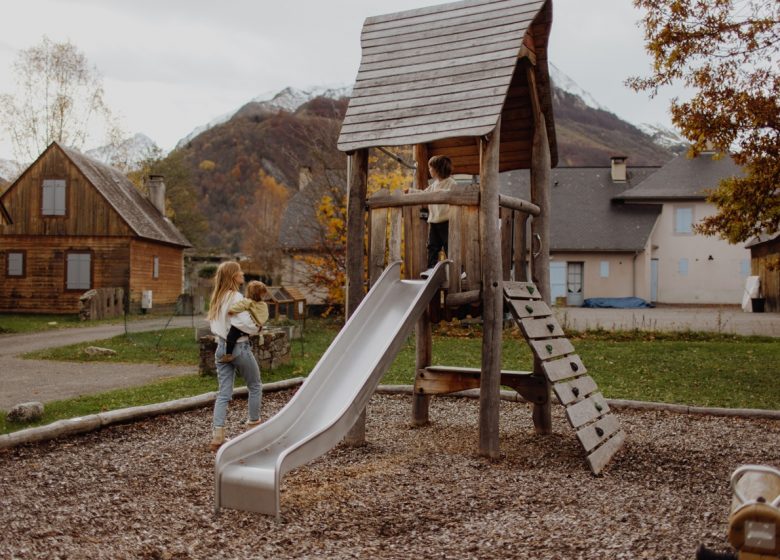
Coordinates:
253	304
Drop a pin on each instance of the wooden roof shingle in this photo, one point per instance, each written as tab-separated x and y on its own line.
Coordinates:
450	71
139	213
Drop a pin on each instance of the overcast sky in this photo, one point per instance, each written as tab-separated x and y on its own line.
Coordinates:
171	65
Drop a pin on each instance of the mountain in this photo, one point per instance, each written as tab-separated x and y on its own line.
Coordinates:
276	135
289	99
129	154
568	108
258	151
666	137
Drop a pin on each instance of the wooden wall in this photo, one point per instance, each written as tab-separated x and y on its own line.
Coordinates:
765	263
167	287
42	289
87	212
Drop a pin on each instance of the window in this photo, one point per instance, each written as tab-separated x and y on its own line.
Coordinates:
79	271
54	197
683	220
155	267
604	269
15	263
682	267
744	267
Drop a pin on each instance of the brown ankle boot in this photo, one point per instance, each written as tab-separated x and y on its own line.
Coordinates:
249	424
217	439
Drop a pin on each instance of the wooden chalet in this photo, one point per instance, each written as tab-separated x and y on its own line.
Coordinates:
470	80
74	224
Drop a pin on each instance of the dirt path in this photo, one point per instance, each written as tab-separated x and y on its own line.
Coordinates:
44	381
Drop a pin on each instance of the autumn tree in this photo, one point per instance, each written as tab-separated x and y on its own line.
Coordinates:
326	264
181	202
260	222
728	53
59	97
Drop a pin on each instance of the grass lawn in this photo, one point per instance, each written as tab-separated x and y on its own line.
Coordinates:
688	368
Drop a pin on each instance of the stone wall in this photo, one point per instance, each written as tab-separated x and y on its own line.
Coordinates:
271	348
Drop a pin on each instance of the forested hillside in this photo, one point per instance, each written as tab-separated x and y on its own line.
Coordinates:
244	170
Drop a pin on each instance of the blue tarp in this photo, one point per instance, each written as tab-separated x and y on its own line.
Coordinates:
620	302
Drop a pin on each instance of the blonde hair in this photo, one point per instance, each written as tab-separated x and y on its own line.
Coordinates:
256	290
224	283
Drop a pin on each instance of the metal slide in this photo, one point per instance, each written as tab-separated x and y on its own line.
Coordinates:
249	468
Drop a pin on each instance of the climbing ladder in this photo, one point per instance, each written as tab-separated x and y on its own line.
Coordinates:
587	411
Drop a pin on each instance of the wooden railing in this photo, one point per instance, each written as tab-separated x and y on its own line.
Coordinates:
395	226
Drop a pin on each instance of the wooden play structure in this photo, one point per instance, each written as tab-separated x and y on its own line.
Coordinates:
470	80
754	521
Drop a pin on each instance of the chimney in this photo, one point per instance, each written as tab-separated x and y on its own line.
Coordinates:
618	169
304	177
155	184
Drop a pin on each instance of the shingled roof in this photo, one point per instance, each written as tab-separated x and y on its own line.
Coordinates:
584	216
134	208
684	179
450	71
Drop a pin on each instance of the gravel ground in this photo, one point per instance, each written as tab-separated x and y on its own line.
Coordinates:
145	490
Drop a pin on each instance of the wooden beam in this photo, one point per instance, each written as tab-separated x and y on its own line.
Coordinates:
465	197
423	332
540	227
356	228
462	298
540	194
518	204
492	296
520	247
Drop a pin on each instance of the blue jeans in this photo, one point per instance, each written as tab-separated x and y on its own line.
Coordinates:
243	361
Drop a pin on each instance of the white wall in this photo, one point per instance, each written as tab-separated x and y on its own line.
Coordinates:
719	280
627	273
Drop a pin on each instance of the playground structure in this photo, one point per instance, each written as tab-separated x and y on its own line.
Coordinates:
754	521
468	80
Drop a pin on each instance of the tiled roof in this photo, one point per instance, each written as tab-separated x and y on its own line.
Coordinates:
684	178
584	216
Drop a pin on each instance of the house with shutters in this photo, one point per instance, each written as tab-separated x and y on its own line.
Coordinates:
687	267
70	224
620	231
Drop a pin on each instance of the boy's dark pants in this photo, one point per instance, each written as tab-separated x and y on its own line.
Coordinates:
233	335
437	240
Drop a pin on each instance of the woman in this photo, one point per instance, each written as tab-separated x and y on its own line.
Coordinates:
226	284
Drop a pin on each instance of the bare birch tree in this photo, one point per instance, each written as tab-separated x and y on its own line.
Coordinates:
59	97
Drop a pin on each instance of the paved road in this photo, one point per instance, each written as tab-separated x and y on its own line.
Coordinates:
45	381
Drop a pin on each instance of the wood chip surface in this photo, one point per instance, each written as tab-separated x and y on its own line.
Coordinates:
145	490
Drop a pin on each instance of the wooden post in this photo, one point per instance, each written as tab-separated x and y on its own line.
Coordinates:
357	187
492	296
423	333
540	230
540	195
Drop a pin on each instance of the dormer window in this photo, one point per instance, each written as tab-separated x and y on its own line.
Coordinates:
53	199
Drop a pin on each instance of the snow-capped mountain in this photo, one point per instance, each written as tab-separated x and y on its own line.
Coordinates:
664	136
564	82
127	155
288	99
660	134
